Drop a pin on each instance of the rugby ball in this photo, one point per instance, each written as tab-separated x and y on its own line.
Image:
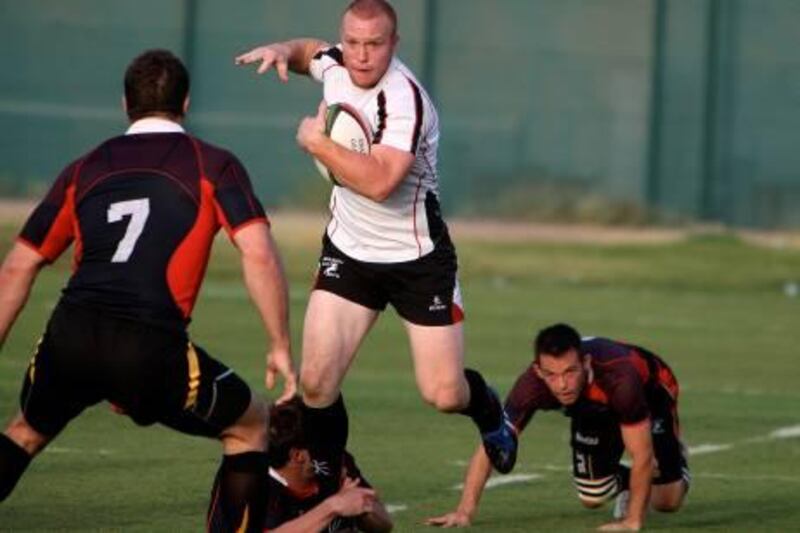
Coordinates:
347	127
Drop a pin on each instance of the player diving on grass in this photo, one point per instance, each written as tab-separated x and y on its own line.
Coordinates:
620	398
386	242
142	210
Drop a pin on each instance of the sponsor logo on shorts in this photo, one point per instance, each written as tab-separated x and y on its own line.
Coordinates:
329	267
437	305
589	441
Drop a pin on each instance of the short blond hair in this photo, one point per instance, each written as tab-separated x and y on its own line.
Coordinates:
367	9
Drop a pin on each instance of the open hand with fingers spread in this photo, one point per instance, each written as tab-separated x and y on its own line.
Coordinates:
272	55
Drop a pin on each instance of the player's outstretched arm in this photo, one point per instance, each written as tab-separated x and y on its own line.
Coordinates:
266	284
639	445
477	474
351	500
17	274
294	55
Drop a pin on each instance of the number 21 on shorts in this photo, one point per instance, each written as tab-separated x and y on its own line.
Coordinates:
138	210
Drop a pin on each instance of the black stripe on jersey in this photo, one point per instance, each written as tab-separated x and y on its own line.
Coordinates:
381	118
418	121
333	52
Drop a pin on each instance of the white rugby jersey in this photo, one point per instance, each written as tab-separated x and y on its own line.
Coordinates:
408	224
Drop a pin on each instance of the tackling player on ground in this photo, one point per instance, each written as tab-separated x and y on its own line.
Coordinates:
300	500
142	210
619	397
386	242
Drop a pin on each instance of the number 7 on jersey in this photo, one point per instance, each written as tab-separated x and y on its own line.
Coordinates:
138	210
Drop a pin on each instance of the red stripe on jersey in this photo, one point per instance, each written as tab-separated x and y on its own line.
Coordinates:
596	394
62	231
188	263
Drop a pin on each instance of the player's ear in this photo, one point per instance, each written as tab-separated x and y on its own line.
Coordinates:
186	102
537	369
298	455
124	104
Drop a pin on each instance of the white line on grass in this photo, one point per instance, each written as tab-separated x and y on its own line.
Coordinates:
393	508
702	449
61	449
505	480
733	477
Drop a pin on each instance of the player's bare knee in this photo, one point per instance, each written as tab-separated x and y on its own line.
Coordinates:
250	430
667	500
27	438
591	503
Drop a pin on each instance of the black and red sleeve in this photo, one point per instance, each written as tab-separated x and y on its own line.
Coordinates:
51	226
237	204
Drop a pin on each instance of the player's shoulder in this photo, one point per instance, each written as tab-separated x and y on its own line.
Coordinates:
213	158
329	52
399	78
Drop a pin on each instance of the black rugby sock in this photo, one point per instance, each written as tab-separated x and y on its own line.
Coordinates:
239	496
484	408
326	430
13	462
623	478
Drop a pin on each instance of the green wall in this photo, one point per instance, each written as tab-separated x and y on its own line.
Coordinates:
685	107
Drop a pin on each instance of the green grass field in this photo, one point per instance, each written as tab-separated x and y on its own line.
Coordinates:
713	306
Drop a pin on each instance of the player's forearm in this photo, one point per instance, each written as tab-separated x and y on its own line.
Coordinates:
266	284
316	519
299	53
640	482
17	275
368	175
478	474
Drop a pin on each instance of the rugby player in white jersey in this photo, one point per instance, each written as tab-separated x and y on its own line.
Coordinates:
386	241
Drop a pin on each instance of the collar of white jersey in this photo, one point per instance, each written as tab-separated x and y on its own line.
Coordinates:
154	125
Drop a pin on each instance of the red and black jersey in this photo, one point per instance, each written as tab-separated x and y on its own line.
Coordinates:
621	376
284	504
142	210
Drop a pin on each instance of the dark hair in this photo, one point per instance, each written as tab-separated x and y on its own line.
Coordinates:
156	82
286	431
372	8
556	340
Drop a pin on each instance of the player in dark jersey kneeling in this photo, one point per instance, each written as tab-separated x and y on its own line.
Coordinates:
298	499
620	397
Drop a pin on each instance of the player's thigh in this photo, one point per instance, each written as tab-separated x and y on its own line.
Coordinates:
333	329
59	382
212	401
438	355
